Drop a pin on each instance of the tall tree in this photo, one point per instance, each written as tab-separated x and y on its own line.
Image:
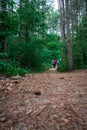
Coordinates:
86	6
70	58
3	24
31	19
20	21
7	21
62	19
26	25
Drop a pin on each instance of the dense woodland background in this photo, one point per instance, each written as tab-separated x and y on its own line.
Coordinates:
32	33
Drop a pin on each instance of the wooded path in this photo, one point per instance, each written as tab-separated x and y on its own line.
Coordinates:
45	101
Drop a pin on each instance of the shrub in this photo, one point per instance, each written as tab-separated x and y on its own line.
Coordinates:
63	66
20	71
10	71
63	63
3	66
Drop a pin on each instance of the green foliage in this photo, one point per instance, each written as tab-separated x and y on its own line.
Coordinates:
52	37
63	59
53	46
63	66
27	25
36	55
28	55
52	18
21	71
29	47
8	19
3	55
78	57
11	70
32	18
80	46
3	66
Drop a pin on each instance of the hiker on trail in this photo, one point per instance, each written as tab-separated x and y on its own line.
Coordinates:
54	62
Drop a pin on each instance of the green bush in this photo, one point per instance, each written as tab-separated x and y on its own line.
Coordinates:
80	45
3	66
27	55
63	63
10	71
20	71
3	55
78	57
63	66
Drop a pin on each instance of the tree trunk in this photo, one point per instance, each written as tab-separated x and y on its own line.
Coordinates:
70	59
62	20
44	18
20	24
12	4
3	48
27	32
26	35
77	15
63	15
3	26
86	6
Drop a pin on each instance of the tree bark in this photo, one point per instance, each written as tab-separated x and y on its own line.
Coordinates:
3	5
26	35
3	48
27	31
20	24
86	6
70	58
62	19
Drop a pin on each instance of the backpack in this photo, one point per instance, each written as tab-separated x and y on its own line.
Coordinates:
54	61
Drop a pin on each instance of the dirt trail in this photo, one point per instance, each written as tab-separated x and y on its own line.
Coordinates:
47	101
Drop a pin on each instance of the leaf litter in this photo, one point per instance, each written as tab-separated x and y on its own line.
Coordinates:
47	101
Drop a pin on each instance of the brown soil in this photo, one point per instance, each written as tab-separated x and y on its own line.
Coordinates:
47	101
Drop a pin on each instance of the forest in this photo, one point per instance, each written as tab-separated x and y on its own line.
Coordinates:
33	32
33	94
